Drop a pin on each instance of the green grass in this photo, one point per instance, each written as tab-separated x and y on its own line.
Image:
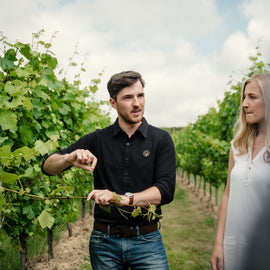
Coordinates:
85	265
188	234
10	260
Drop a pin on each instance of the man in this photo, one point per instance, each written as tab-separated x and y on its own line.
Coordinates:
134	160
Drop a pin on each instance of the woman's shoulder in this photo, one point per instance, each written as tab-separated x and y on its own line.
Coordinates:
238	154
234	149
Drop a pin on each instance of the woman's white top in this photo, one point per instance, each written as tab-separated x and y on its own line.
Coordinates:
249	189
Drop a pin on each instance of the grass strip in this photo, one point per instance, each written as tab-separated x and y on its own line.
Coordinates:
188	234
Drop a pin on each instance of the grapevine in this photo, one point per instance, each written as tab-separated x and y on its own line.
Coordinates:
40	113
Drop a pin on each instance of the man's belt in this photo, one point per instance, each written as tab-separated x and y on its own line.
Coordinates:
125	231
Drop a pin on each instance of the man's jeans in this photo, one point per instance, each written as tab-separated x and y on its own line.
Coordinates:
143	252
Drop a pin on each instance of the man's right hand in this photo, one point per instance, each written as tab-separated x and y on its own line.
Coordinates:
82	159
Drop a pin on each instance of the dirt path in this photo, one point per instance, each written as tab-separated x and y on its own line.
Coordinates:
71	252
197	196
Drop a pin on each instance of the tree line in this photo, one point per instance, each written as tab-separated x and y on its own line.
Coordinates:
202	147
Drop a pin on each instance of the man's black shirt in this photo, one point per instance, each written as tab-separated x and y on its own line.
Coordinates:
132	164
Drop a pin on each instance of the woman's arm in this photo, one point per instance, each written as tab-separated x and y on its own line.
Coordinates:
217	254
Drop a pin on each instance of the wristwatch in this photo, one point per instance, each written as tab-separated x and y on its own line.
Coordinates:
131	197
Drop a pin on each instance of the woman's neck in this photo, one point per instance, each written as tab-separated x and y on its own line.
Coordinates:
261	129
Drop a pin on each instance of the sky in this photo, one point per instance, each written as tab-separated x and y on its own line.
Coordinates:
186	51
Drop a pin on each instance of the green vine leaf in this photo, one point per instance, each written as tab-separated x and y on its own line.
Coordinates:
136	212
152	209
45	219
8	120
8	178
5	155
27	103
28	211
106	208
24	72
41	147
24	152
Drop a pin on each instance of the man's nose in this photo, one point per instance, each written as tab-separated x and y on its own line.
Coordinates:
136	102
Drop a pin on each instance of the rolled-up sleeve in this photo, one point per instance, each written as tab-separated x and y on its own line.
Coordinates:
165	169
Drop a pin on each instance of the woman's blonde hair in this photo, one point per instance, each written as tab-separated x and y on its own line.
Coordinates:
247	132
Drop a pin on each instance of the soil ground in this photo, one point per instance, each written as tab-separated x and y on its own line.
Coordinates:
71	252
203	202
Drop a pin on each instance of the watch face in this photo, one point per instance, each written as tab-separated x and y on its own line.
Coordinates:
128	194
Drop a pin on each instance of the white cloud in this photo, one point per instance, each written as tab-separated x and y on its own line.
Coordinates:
151	19
257	12
234	54
157	38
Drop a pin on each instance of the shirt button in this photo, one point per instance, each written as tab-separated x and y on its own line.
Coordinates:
127	143
126	173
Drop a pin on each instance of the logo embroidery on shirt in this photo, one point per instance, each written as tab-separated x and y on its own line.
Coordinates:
146	153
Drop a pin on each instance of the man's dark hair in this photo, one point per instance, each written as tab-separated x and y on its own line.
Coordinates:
121	80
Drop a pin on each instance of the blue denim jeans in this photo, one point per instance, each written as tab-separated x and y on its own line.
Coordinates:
143	252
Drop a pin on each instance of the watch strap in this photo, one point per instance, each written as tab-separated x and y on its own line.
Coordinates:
131	197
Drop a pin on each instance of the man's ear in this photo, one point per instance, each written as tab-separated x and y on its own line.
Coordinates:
113	103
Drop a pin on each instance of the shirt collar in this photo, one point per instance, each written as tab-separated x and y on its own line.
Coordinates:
143	128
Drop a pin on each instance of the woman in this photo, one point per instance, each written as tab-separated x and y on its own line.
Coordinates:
248	183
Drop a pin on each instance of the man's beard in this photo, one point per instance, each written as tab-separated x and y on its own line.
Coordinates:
130	120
